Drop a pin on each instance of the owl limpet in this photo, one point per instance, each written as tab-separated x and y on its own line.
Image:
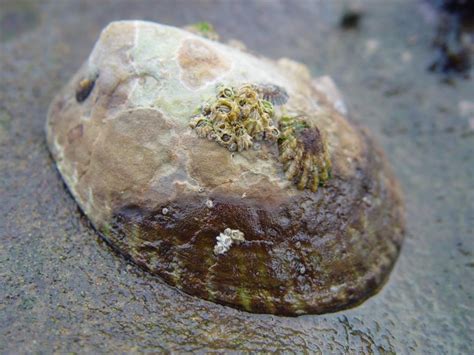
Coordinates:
153	138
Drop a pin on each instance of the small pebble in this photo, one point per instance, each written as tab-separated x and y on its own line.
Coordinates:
350	19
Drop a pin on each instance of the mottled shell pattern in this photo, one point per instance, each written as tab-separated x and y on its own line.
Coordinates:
233	177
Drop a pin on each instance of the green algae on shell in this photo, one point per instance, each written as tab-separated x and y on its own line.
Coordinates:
230	227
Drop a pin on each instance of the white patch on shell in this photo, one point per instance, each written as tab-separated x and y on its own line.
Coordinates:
209	203
226	239
326	85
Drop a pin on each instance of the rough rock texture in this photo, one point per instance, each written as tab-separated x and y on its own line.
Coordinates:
120	134
63	290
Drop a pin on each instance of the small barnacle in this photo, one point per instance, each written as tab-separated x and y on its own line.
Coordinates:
209	203
236	235
271	133
304	153
196	120
244	142
201	125
226	239
267	107
225	137
225	92
250	126
225	109
224	134
273	93
205	108
247	93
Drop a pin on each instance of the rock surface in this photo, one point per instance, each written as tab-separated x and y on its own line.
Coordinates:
120	134
62	288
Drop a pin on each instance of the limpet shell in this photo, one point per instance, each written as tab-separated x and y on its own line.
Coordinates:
144	177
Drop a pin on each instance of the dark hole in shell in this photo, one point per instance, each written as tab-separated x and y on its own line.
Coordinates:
84	89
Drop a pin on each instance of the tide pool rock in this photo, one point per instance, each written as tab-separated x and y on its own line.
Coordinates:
235	178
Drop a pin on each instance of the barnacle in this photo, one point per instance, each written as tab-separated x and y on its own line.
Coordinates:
304	153
202	125
237	118
273	93
226	239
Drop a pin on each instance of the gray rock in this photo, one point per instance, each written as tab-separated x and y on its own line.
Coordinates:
63	290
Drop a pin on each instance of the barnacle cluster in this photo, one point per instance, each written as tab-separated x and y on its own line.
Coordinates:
237	119
226	239
303	152
240	117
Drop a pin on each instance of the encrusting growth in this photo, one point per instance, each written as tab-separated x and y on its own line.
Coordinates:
237	119
226	239
240	117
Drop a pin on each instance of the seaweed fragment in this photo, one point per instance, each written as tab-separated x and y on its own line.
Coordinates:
203	29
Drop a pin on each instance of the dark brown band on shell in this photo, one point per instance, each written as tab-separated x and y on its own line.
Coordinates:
319	252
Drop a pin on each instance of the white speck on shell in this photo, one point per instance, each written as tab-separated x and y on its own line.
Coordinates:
326	85
367	200
226	239
302	269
